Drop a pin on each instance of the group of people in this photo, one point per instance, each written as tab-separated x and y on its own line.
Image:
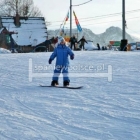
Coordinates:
103	47
73	42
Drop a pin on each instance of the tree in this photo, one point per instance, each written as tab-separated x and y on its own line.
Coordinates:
22	7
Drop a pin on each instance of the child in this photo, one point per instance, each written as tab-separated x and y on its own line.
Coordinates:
61	52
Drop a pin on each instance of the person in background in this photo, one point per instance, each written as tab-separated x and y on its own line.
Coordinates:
98	46
72	41
47	43
82	45
55	39
61	53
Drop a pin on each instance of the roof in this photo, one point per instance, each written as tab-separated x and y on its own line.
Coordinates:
32	30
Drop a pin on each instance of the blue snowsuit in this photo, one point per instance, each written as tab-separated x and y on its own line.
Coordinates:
61	52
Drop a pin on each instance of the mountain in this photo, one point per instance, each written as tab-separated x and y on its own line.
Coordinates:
114	34
111	34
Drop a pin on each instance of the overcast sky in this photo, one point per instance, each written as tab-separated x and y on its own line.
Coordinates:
96	15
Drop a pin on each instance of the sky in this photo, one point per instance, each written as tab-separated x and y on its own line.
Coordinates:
97	15
106	108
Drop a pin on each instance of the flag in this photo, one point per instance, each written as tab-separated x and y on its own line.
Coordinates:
77	22
67	17
62	30
64	22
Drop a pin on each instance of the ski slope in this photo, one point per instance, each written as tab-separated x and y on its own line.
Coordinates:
106	108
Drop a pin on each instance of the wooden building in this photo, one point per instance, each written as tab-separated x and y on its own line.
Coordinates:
26	32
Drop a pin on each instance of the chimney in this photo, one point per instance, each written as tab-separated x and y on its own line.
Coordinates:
17	15
17	20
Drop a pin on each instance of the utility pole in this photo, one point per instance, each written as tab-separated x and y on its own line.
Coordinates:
70	18
71	14
123	17
124	40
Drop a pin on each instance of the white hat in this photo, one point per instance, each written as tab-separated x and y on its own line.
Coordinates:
60	39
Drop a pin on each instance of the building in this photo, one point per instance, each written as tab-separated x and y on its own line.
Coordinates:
26	32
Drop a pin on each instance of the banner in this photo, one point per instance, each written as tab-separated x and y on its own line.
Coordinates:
67	17
62	29
77	22
115	43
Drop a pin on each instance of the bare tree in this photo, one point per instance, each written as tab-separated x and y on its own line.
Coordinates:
22	7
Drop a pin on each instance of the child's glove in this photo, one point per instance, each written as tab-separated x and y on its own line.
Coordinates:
72	57
50	61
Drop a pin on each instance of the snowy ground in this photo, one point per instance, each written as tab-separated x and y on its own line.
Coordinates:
102	110
2	50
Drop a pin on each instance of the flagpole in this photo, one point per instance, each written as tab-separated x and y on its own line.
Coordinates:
70	18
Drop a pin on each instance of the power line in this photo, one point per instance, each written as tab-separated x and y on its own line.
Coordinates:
100	22
128	12
134	32
109	15
88	19
111	21
82	3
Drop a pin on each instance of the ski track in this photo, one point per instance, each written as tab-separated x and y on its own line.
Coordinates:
101	110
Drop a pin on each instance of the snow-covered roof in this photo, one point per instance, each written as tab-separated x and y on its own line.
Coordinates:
31	31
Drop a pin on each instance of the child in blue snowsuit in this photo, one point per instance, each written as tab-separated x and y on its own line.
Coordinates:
61	52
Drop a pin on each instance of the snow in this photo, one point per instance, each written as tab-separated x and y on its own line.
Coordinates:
101	110
90	46
2	50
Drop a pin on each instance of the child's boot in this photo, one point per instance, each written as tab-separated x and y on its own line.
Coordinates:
66	83
54	83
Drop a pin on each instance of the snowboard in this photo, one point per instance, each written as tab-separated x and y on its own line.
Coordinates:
69	87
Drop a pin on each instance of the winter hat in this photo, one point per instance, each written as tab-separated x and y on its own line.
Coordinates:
60	39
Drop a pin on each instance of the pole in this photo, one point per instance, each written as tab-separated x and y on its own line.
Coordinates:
123	21
70	18
71	14
124	40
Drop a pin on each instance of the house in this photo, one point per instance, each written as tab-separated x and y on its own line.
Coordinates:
26	32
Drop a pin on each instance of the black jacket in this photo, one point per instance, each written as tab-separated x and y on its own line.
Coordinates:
73	40
82	40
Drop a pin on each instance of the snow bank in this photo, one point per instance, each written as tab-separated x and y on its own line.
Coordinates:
2	50
90	46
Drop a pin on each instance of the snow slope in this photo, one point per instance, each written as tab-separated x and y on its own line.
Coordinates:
103	110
